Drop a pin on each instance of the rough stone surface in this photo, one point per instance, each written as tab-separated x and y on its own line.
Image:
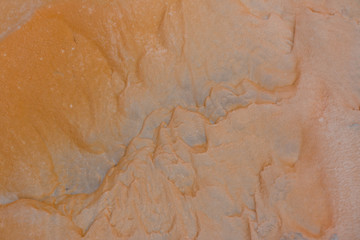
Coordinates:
179	119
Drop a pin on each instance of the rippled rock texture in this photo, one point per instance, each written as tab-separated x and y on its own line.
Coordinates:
180	119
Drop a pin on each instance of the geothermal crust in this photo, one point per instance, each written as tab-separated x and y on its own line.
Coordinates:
180	119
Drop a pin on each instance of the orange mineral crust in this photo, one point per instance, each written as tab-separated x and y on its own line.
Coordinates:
180	119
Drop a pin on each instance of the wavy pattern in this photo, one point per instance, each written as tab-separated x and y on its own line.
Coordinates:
179	119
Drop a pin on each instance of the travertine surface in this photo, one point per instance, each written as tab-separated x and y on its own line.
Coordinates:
180	119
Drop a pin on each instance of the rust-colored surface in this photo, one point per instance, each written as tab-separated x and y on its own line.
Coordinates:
179	119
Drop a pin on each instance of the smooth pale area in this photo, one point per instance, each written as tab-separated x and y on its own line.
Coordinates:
180	119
